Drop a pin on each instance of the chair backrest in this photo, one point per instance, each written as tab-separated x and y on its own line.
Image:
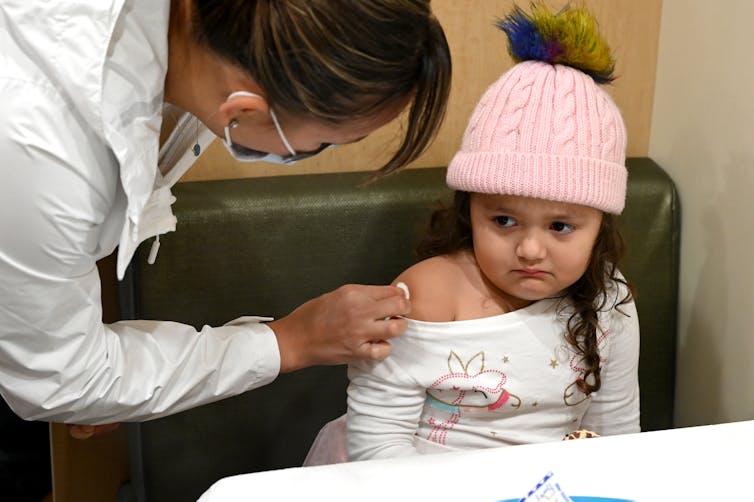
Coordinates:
263	246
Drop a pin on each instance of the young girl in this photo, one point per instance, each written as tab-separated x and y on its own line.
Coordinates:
522	329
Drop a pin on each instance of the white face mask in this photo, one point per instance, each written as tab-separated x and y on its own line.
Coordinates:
244	154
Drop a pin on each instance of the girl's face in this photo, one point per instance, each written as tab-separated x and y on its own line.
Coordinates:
531	249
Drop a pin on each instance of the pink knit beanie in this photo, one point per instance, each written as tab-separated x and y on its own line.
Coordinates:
544	130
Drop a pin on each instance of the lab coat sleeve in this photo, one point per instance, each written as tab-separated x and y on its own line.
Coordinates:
614	409
384	408
58	361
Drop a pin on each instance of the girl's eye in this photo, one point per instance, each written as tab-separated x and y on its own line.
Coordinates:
561	228
505	221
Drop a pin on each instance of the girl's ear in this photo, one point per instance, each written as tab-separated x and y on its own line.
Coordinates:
240	103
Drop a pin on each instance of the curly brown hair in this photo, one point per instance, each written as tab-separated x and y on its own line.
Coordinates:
449	231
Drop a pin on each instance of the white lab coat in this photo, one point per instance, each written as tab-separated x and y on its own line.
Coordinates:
81	100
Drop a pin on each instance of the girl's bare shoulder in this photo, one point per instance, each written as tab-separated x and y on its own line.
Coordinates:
435	285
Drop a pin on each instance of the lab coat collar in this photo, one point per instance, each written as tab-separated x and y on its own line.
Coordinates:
109	58
132	84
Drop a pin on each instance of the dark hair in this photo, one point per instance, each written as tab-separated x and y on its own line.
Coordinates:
449	232
338	60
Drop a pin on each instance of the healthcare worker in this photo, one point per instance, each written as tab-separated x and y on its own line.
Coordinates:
85	88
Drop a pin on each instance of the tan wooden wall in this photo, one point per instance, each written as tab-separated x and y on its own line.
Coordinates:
479	54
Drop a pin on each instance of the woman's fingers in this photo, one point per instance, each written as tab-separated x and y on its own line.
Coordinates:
349	324
388	301
385	329
377	351
89	431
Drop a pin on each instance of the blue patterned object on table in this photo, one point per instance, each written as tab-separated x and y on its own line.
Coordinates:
549	490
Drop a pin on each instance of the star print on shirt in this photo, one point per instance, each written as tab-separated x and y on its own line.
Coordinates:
553	363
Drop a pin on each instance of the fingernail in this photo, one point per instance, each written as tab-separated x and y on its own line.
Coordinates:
78	434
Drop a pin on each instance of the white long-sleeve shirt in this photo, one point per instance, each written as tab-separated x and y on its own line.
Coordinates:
502	380
80	115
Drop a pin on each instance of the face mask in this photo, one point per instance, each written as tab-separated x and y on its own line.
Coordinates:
244	154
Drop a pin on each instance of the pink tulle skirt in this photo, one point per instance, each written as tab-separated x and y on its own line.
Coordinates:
329	446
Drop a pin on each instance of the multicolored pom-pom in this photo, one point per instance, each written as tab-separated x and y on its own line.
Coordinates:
569	37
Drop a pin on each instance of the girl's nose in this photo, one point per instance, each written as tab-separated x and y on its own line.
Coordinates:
531	248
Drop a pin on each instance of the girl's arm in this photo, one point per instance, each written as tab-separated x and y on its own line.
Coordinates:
384	402
614	409
384	406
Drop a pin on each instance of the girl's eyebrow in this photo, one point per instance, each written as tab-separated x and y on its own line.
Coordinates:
500	209
554	215
564	216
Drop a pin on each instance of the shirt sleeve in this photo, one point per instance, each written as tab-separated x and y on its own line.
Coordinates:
614	409
58	361
384	408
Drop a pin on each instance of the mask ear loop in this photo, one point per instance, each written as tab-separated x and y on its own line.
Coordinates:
280	133
233	124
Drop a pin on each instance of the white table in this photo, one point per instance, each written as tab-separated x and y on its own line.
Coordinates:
707	463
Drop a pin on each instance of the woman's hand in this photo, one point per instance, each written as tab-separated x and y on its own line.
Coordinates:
349	324
90	431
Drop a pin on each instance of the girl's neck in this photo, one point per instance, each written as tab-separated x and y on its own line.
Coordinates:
487	300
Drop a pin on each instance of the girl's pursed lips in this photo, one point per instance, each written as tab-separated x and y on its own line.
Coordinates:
530	272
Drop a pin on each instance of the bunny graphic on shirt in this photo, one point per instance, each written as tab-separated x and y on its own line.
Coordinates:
466	385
